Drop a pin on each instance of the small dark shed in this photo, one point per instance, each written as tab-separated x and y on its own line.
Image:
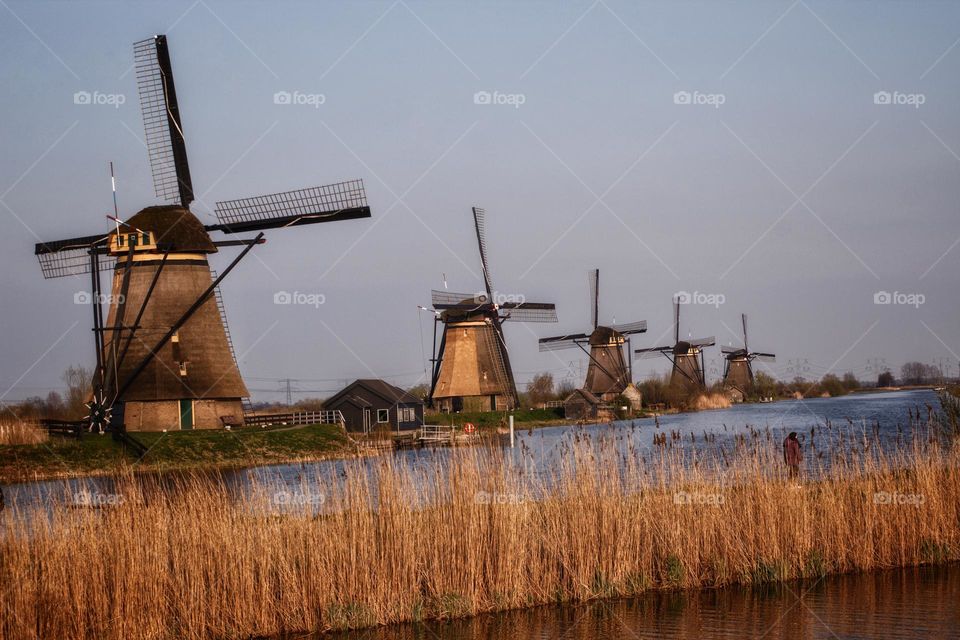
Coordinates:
368	405
581	405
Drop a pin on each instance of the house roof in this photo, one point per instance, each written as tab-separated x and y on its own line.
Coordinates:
586	395
379	388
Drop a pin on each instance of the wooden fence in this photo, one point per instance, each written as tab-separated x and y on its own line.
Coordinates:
64	428
294	418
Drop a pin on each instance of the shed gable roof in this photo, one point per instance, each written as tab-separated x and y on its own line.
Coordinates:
379	388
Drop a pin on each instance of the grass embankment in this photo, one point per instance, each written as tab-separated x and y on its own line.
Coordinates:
470	535
174	450
490	420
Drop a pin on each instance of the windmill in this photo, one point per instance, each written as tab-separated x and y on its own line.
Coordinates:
686	355
738	371
607	373
164	358
471	370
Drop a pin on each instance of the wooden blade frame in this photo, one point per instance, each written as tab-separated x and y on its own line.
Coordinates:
161	121
328	203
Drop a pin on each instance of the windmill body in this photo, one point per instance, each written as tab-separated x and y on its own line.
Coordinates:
738	369
688	366
475	372
193	380
472	367
686	355
164	357
607	372
608	375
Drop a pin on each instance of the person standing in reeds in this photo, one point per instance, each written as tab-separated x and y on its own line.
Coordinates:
792	454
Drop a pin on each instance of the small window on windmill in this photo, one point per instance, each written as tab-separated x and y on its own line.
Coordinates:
139	240
183	369
383	415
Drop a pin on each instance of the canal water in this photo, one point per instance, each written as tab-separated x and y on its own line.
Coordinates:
897	604
823	421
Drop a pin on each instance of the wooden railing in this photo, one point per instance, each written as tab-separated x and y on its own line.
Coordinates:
437	433
65	428
331	416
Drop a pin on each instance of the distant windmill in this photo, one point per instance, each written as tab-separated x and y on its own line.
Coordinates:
607	374
164	355
471	370
738	371
686	355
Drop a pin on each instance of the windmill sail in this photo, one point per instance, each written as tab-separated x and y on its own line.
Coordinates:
161	121
479	216
329	203
71	257
630	327
594	277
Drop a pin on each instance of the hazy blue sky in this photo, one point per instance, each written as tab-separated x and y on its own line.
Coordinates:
788	190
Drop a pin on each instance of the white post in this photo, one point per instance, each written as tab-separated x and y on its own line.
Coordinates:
511	430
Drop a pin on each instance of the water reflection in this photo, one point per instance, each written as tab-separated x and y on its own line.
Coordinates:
901	604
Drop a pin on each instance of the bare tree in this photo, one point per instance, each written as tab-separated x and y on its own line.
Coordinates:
540	389
79	389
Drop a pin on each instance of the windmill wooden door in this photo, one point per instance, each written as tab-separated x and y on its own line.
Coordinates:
186	415
367	420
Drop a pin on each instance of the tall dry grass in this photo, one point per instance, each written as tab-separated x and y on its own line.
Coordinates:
465	534
17	431
711	401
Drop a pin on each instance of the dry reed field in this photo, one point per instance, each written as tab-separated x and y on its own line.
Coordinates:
16	431
465	533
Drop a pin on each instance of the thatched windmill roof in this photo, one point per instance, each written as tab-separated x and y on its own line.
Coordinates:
174	227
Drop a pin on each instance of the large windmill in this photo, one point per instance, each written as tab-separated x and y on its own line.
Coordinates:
607	373
686	355
738	370
471	370
164	357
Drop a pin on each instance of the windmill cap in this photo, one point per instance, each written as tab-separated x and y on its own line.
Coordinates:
603	335
174	228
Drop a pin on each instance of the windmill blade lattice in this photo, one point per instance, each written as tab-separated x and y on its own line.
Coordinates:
161	121
651	352
630	327
594	277
559	343
450	299
479	222
71	257
530	311
339	201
